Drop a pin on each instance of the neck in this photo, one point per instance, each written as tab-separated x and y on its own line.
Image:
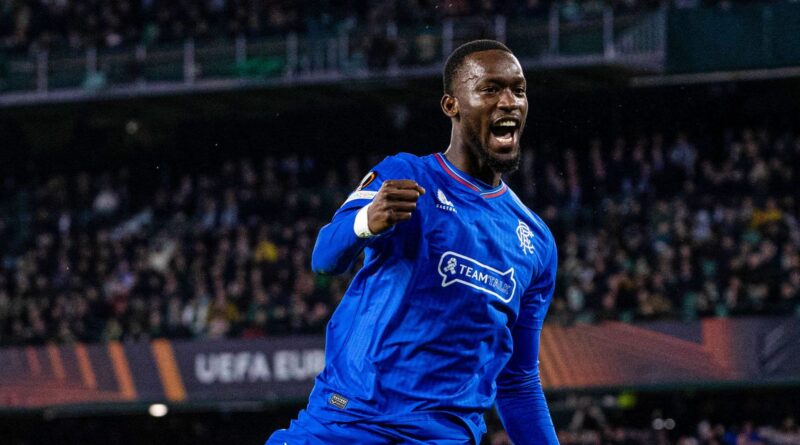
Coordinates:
466	160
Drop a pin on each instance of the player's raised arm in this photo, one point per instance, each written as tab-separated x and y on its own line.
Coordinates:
379	203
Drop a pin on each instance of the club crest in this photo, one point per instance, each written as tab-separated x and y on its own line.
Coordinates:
525	234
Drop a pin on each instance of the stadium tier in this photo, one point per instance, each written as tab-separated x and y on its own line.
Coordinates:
166	168
117	23
650	228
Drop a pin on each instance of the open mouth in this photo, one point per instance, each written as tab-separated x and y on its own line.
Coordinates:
504	129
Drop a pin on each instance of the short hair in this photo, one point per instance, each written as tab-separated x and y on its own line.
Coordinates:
456	59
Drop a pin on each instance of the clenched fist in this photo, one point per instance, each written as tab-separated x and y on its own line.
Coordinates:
394	202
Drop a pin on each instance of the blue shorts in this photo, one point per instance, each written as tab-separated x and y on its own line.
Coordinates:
416	429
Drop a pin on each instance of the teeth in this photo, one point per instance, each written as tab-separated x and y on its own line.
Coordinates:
506	124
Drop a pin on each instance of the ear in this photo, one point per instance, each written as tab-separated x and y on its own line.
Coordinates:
449	106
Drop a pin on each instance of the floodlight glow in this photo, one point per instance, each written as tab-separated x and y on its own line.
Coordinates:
158	410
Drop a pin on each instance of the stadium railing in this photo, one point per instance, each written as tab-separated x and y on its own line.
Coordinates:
636	40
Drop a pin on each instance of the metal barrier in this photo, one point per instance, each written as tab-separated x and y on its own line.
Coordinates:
349	53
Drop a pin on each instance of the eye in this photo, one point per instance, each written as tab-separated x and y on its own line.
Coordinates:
519	91
490	89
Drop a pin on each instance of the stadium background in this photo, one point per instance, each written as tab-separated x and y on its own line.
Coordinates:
165	166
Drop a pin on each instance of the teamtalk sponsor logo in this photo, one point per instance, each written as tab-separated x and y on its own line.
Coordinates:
457	268
525	234
443	203
251	367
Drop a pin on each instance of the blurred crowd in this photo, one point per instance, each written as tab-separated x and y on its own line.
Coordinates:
654	227
591	422
206	256
81	24
706	433
663	228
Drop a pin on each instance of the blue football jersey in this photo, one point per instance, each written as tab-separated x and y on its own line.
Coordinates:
426	323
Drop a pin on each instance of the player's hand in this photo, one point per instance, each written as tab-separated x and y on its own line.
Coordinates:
394	202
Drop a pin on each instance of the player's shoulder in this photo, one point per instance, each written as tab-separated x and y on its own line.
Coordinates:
399	166
402	161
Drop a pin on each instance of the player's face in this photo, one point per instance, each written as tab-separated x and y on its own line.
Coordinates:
493	106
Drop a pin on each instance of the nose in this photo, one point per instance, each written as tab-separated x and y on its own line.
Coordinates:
509	101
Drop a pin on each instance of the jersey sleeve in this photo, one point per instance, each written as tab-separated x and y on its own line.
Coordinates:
520	397
537	297
337	245
392	167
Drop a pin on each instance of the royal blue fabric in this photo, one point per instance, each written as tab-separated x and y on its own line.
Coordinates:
413	429
446	311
